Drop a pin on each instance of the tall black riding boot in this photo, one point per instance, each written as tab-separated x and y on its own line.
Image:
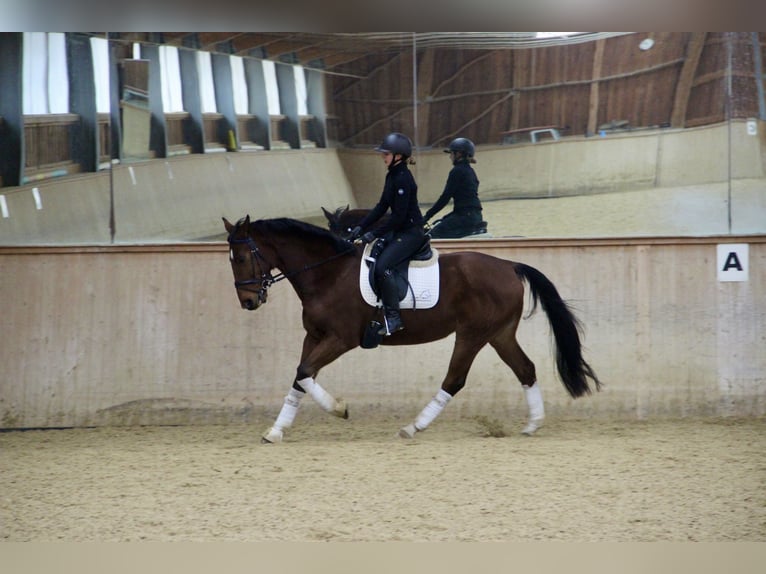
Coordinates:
390	296
393	321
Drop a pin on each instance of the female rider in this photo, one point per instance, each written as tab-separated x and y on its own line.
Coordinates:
462	188
403	234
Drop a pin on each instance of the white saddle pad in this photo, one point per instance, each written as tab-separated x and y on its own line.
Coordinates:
423	277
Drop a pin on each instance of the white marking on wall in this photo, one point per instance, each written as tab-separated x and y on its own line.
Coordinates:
732	261
4	207
38	199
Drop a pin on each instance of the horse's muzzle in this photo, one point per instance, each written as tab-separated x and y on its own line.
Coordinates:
252	303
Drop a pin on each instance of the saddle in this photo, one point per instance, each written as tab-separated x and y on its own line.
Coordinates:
417	279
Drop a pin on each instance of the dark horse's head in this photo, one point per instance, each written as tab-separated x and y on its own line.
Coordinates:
252	273
343	220
336	221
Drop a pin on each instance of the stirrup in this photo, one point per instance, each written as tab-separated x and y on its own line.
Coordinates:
395	325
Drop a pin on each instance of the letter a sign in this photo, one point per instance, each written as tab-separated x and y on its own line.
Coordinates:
732	262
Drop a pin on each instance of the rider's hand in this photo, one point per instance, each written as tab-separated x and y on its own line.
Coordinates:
355	233
368	237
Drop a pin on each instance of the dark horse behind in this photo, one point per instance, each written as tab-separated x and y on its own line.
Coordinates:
343	219
481	301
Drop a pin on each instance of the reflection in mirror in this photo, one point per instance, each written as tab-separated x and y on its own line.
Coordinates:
591	135
134	105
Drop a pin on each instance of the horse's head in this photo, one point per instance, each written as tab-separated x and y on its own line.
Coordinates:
252	273
344	219
335	220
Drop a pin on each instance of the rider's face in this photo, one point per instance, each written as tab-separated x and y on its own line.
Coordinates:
388	158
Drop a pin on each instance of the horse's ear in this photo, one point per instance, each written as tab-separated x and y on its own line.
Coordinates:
347	208
327	214
229	227
247	221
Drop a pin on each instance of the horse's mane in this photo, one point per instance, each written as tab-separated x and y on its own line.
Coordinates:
285	225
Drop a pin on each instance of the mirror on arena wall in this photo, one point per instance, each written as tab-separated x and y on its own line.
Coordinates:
653	137
608	135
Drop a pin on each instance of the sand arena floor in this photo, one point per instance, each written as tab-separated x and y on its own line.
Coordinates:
355	480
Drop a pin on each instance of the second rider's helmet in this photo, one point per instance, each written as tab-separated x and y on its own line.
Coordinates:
463	145
396	143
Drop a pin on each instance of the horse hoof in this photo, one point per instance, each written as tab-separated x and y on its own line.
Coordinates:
408	431
341	409
531	427
272	436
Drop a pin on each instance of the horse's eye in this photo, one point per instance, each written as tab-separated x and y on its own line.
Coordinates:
236	257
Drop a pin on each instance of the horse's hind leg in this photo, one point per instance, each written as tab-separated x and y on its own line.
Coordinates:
462	357
512	354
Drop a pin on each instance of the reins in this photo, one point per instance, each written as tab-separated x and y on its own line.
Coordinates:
267	279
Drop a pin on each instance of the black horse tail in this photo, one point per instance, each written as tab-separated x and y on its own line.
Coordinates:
573	369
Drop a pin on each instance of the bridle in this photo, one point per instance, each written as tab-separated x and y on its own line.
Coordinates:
266	279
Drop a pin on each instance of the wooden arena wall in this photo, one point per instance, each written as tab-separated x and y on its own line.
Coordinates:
154	335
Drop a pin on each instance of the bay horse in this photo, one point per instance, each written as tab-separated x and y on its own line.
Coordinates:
481	301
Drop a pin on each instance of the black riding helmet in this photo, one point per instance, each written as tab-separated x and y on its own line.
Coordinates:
462	145
396	143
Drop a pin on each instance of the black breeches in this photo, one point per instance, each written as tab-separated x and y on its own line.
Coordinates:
454	225
398	248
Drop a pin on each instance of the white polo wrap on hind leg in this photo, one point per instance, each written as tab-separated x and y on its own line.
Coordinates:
534	396
432	410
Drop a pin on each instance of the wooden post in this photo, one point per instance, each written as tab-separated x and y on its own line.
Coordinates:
598	59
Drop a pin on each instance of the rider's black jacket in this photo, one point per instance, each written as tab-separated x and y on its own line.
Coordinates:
400	194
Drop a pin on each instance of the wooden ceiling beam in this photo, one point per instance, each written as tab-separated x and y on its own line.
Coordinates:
686	79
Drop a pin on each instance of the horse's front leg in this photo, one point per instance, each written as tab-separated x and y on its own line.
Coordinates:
315	355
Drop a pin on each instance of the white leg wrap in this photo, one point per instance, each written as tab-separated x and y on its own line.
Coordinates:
323	398
534	398
286	416
289	409
432	410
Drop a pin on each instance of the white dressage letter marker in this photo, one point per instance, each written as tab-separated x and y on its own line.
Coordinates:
732	261
4	207
38	199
